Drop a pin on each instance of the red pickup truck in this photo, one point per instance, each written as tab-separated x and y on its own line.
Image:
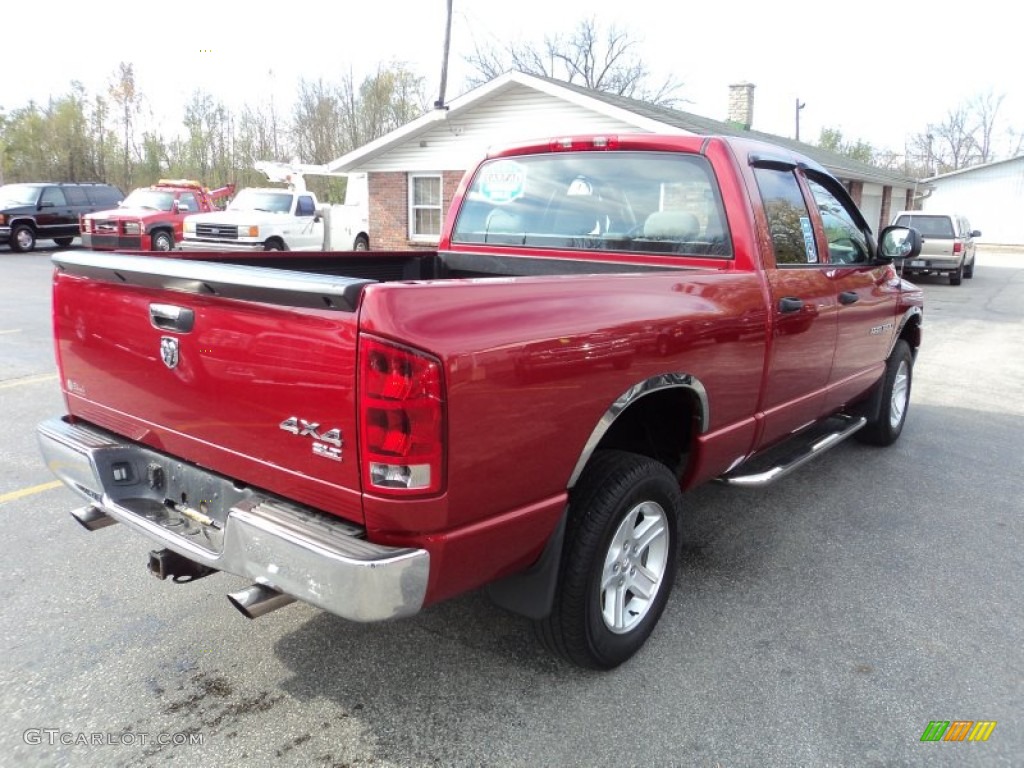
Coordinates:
150	218
607	322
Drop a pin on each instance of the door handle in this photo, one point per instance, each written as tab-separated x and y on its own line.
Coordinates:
790	304
849	297
168	317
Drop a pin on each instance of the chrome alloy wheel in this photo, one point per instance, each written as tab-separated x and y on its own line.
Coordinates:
634	567
900	395
25	239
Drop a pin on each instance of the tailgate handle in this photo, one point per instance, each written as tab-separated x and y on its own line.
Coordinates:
168	317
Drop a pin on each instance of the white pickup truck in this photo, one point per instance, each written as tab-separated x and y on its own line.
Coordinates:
275	219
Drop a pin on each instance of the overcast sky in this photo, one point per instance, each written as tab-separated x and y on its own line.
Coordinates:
878	71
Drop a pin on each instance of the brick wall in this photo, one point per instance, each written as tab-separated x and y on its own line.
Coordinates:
886	213
389	209
857	192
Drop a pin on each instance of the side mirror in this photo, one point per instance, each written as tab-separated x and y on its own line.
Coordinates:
898	243
182	207
975	233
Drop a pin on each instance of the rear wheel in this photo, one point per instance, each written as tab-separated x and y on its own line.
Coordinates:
362	244
888	423
619	562
23	238
161	241
63	242
957	276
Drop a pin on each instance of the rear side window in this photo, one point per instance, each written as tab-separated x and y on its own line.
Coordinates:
788	218
929	226
104	195
76	196
642	202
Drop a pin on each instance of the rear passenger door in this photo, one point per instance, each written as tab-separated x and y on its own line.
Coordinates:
866	293
55	217
803	307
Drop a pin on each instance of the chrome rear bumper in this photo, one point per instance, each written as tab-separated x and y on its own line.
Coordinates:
213	521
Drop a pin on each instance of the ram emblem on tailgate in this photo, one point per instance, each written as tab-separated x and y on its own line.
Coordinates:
169	351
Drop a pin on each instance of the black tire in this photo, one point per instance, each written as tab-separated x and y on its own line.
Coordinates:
23	238
969	270
63	242
161	240
621	499
957	276
362	244
887	425
273	245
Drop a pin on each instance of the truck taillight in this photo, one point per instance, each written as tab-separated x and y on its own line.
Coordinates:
957	247
86	225
401	418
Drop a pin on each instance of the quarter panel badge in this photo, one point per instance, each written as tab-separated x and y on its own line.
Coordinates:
169	351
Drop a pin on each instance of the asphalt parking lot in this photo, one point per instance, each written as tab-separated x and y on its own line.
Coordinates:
825	621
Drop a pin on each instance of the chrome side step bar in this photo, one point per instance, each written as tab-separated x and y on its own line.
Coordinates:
810	451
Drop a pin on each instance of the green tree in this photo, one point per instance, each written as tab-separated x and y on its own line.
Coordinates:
832	140
128	100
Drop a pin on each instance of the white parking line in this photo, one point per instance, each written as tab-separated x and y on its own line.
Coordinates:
28	380
13	330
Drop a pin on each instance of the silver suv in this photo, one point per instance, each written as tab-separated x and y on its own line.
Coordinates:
947	244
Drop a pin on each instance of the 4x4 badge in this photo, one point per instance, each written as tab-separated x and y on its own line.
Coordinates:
169	351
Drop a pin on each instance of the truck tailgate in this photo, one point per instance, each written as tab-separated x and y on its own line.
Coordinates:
249	372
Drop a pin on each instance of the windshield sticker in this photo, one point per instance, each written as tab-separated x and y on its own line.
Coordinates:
502	182
812	253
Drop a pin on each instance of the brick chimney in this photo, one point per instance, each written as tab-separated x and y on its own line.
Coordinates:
741	105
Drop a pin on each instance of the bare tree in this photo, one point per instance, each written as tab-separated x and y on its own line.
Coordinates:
601	59
985	108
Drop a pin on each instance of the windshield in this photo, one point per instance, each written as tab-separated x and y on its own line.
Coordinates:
260	200
19	194
149	198
649	202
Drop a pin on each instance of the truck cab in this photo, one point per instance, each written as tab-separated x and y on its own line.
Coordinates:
150	218
259	219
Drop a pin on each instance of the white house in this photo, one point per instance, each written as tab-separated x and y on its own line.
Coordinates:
413	171
991	196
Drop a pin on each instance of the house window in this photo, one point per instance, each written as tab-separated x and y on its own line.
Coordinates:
425	206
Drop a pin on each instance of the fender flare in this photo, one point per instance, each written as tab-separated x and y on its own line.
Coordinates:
531	593
622	403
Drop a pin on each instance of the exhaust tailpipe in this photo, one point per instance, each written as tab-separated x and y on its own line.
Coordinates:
92	518
258	600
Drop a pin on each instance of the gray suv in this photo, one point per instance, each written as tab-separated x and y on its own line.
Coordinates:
49	211
947	244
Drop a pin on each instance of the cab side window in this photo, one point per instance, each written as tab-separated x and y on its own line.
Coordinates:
188	199
788	218
305	206
847	244
53	196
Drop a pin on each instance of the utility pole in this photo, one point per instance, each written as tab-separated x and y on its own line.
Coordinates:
799	106
439	104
